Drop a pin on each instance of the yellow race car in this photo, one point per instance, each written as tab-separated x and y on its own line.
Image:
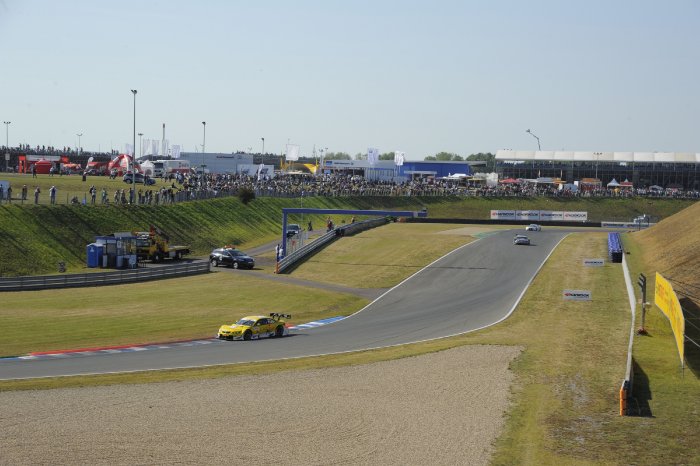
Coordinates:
255	327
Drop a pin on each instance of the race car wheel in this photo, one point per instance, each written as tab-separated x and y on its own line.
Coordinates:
279	331
234	265
214	263
247	335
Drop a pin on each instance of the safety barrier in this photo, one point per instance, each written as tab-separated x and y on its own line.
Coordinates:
628	381
288	262
44	282
615	247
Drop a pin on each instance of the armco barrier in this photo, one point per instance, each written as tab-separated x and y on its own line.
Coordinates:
288	262
44	282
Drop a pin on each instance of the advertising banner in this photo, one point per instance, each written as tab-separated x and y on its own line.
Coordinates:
576	216
593	262
502	215
665	298
527	215
548	215
577	295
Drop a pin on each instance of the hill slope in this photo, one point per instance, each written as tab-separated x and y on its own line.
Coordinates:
673	246
36	237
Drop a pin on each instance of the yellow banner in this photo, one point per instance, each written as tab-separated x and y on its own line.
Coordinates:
665	298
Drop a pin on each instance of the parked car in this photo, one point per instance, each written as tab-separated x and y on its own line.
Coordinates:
231	257
293	229
533	227
140	179
521	240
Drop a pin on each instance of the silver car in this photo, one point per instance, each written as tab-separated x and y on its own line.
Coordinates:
521	240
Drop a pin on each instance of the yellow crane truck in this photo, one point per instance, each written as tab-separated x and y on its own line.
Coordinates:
155	245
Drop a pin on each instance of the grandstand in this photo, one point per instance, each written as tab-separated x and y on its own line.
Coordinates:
678	170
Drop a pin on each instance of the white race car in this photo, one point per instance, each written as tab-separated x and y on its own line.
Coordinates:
533	227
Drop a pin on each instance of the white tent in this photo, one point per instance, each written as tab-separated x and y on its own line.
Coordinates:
613	184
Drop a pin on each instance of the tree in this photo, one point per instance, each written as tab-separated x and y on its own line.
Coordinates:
445	157
246	194
360	156
337	156
487	157
386	156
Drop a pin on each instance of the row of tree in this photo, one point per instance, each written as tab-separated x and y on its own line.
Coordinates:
488	157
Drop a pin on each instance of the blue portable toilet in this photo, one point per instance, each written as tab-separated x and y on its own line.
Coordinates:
94	255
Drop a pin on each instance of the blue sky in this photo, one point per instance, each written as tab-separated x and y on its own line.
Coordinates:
417	76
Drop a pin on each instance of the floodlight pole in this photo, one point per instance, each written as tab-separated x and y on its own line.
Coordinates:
533	135
133	155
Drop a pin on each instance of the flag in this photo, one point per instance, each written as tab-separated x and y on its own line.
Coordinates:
292	152
129	149
399	158
166	146
372	155
260	169
154	146
176	151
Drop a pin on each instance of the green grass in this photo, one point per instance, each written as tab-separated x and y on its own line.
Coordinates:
166	310
370	260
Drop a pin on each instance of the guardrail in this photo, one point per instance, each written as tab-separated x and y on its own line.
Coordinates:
44	282
289	262
615	247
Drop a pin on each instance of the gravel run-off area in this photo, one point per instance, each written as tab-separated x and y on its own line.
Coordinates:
441	408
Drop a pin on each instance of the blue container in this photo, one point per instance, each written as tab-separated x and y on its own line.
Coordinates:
94	255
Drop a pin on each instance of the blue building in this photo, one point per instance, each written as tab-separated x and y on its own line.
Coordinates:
387	170
433	168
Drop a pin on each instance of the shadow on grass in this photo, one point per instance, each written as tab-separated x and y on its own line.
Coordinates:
641	393
691	312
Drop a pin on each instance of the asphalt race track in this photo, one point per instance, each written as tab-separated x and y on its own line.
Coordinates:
472	287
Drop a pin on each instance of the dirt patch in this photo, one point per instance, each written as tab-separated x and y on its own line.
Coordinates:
440	408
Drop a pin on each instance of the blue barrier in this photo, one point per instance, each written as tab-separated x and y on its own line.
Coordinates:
615	250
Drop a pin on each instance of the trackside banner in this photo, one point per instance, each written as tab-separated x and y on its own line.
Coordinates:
576	216
593	262
527	215
665	298
539	215
577	295
548	215
502	215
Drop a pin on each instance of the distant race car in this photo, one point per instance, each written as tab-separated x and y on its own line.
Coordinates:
533	227
521	239
255	327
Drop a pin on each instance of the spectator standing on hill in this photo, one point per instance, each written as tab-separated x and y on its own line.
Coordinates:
104	195
9	194
93	194
33	171
2	193
37	191
311	227
52	170
24	192
52	194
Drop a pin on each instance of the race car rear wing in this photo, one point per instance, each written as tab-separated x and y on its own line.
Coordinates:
278	316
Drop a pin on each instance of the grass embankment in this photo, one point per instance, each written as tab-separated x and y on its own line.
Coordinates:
36	238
